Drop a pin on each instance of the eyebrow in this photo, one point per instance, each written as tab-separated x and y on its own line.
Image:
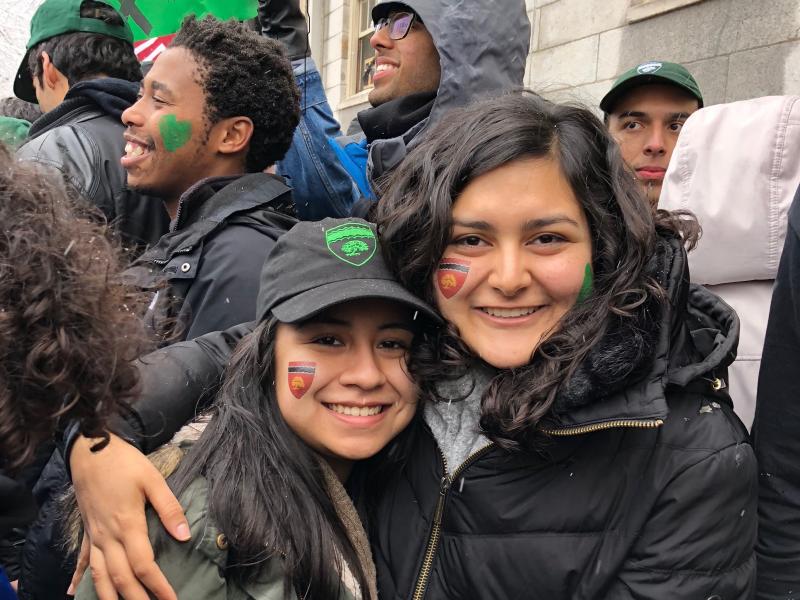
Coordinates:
160	87
531	224
341	323
633	113
548	221
637	114
322	321
404	326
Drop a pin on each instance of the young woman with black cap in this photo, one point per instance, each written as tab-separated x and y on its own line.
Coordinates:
319	385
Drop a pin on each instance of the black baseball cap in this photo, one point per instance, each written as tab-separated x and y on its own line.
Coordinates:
57	17
318	264
653	71
384	9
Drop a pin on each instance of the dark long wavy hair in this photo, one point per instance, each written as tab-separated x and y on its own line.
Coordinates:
266	487
68	327
415	224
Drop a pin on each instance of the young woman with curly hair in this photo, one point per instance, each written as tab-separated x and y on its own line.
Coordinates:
580	440
68	329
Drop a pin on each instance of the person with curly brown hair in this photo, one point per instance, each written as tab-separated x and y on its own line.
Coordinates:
68	330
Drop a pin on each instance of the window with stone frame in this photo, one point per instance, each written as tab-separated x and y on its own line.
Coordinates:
363	58
638	10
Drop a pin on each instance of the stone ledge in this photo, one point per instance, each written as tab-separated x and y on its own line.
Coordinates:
644	9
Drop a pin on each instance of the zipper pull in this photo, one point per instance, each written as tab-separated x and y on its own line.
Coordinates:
444	485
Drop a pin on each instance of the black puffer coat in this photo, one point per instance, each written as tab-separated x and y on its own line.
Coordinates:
646	489
212	256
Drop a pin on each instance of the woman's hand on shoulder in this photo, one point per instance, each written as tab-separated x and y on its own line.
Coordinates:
112	486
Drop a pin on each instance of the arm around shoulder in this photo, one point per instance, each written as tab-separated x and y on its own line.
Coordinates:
194	569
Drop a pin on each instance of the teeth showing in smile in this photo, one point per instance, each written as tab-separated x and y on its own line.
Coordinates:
509	313
384	67
356	411
132	149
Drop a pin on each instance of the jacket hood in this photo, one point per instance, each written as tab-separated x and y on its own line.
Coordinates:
740	195
113	95
483	48
691	335
110	95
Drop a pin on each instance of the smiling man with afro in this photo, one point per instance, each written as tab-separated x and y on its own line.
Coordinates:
216	109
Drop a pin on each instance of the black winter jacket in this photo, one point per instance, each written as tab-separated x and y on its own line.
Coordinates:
211	259
776	429
645	489
82	139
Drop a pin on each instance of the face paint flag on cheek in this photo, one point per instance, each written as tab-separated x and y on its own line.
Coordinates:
301	375
451	275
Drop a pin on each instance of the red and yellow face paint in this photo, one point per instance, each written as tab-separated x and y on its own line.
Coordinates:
300	377
451	275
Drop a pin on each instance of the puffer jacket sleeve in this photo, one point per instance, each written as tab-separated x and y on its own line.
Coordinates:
699	539
177	382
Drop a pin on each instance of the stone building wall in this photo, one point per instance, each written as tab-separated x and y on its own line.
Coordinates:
736	49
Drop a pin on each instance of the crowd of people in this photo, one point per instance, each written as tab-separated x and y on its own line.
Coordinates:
481	345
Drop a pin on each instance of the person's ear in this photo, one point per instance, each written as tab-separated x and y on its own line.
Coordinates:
50	74
234	134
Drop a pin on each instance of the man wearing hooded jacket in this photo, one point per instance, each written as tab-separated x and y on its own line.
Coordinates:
480	51
424	66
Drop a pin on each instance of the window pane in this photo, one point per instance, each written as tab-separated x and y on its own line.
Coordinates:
366	64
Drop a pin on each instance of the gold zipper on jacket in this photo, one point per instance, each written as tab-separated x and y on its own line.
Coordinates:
581	429
436	527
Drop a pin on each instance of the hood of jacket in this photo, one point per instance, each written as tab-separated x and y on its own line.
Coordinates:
691	337
740	194
106	95
483	48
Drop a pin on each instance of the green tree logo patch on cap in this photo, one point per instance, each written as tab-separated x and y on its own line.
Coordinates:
353	243
648	68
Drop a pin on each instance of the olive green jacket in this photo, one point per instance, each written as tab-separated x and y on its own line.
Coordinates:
196	569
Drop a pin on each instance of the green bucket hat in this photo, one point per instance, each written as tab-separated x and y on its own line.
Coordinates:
57	17
654	71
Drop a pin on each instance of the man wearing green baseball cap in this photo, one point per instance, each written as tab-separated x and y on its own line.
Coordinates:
81	69
645	110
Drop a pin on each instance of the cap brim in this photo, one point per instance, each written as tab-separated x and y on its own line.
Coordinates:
306	305
379	11
23	82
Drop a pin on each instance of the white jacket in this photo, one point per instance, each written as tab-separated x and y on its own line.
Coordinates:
736	167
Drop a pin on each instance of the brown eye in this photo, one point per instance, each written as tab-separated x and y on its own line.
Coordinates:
549	238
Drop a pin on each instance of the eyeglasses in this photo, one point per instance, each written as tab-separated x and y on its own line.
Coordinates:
399	24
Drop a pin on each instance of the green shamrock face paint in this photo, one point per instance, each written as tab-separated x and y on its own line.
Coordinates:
174	133
586	286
